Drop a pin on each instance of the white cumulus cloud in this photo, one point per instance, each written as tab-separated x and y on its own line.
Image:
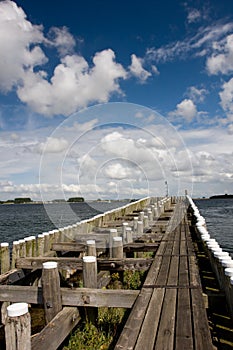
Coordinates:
52	145
186	109
226	97
221	61
137	70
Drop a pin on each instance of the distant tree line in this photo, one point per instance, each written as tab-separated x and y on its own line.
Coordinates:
75	199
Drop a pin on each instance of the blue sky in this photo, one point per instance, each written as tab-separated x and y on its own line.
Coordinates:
113	99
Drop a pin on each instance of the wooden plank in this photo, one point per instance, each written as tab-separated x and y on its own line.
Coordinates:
153	271
173	271
68	246
184	335
202	338
129	335
141	247
72	297
99	297
166	331
17	294
194	276
183	271
163	272
57	330
76	263
149	328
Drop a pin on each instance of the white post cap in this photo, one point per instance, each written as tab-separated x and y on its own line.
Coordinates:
227	263
50	265
117	239
229	271
17	309
90	241
4	244
89	259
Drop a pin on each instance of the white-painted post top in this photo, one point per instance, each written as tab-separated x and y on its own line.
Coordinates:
89	259
17	309
50	265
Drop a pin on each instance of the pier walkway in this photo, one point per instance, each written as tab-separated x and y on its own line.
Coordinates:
168	312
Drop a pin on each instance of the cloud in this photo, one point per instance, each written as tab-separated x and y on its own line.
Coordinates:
117	171
199	44
221	61
226	98
62	40
52	145
186	109
19	41
195	94
193	15
137	70
73	85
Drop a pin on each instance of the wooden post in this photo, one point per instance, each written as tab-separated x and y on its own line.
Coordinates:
117	248
141	215
145	221
112	233
50	281
91	247
22	248
90	281
135	224
28	245
15	253
46	242
5	257
140	228
129	237
124	225
40	245
18	327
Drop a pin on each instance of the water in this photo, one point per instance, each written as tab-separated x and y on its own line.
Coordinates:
218	214
22	220
18	221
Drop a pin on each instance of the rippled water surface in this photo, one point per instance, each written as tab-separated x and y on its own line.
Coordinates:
218	214
22	220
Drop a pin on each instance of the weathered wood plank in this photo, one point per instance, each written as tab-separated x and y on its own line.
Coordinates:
57	330
149	328
184	334
141	247
173	271
68	246
76	263
72	297
202	338
164	269
129	335
166	331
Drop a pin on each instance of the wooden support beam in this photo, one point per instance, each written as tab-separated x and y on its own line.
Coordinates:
72	297
76	263
57	330
141	247
68	247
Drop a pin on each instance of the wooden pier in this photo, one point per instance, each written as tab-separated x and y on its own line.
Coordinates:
168	312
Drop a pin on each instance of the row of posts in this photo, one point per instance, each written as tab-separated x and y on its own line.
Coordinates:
41	245
18	323
220	260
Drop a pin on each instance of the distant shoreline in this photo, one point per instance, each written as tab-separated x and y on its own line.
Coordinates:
222	196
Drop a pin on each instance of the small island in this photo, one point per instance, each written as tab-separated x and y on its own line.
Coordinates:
222	196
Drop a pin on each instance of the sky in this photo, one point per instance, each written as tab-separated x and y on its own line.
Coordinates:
115	99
